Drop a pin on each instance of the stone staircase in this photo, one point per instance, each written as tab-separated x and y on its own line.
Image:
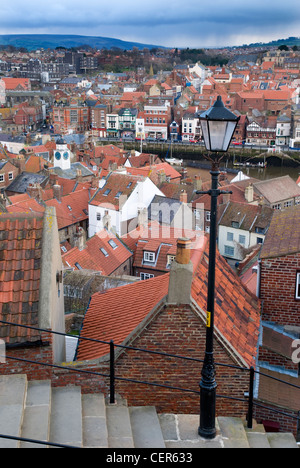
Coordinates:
34	410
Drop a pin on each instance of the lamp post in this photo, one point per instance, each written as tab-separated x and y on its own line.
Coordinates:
218	125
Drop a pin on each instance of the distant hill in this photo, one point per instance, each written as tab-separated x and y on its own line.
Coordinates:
51	41
289	42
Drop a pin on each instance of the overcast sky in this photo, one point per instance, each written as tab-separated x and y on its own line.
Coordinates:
175	23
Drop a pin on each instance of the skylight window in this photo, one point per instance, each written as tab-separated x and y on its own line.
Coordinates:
104	252
107	191
118	195
70	208
129	185
112	243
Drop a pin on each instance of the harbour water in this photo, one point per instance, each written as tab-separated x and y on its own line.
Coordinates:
260	173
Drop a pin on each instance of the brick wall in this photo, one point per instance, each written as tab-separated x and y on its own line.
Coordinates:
278	285
40	352
176	330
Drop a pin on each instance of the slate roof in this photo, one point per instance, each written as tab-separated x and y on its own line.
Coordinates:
22	181
283	237
72	172
247	216
278	189
163	209
20	262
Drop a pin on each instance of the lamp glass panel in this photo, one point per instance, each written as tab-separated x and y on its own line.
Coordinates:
220	134
204	127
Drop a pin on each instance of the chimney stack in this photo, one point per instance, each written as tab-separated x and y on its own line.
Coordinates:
80	238
197	183
181	274
183	196
57	191
249	193
35	191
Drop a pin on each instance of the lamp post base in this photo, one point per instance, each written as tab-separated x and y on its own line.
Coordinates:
207	428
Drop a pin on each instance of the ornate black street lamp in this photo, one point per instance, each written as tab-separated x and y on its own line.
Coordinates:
218	125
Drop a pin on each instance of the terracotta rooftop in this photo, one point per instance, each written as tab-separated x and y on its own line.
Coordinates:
103	252
237	315
20	261
127	305
116	185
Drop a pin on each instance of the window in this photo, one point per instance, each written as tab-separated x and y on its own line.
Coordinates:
107	191
10	176
1	177
242	239
229	250
98	216
235	224
112	243
170	258
149	257
118	195
207	216
298	285
145	276
259	240
104	252
230	236
287	204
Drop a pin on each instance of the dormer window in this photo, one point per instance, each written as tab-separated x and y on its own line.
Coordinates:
149	257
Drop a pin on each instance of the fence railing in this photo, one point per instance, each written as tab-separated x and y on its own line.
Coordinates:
113	377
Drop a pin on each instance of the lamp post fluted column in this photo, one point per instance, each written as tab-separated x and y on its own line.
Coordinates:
218	125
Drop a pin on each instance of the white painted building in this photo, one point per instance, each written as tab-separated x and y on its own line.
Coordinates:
117	204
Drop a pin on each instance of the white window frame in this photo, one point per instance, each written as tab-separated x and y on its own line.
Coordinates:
10	176
242	239
149	257
145	276
2	179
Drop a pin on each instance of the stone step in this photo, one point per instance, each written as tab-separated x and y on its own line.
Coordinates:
35	410
119	426
36	423
94	425
281	440
146	429
13	390
233	432
66	416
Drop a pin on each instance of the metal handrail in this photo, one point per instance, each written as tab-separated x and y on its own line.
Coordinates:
113	377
